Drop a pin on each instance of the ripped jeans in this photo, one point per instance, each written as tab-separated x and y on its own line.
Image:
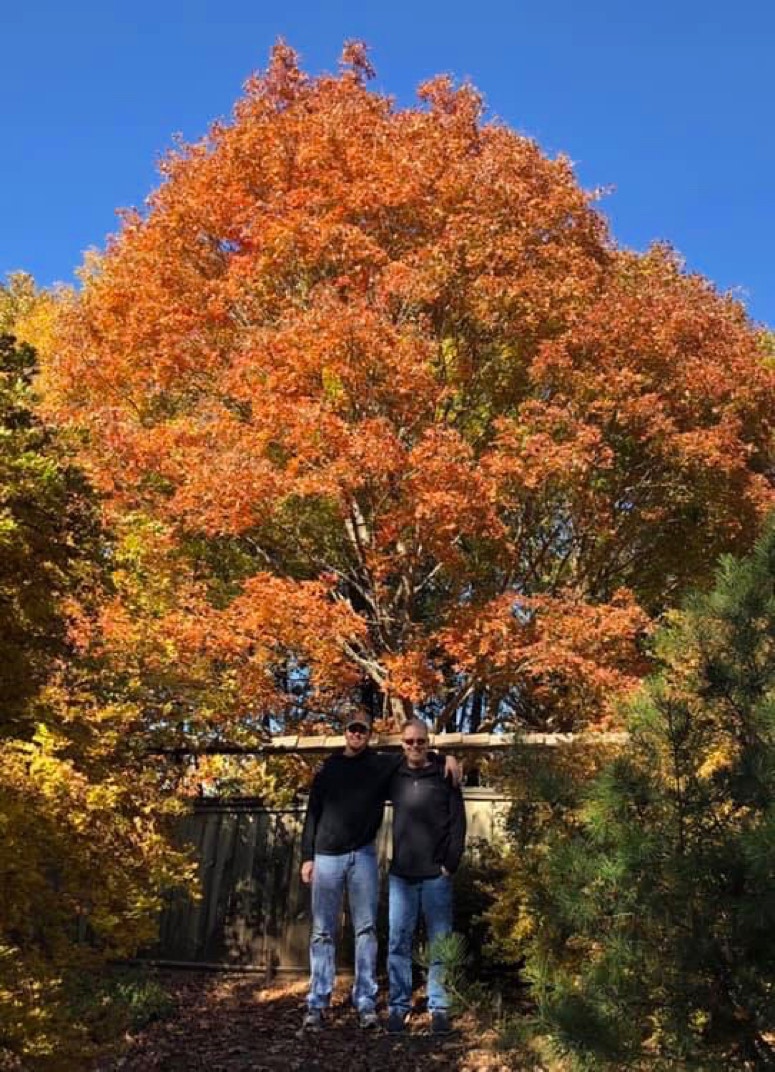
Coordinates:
357	872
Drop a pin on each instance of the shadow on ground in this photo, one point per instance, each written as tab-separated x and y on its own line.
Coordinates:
236	1024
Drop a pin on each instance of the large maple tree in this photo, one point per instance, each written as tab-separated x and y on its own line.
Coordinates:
387	418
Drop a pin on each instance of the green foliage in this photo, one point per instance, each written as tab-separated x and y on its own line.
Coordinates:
48	541
116	1000
451	951
477	974
646	897
476	979
84	1013
492	976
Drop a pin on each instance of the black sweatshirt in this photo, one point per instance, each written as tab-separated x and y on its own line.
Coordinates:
429	822
347	801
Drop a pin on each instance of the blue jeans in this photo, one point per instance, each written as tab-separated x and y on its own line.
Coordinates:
408	897
357	872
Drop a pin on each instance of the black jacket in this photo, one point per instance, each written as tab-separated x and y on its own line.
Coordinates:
346	803
429	822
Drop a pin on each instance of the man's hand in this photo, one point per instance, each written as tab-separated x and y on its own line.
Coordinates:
307	870
453	770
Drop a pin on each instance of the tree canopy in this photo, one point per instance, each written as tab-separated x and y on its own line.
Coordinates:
384	417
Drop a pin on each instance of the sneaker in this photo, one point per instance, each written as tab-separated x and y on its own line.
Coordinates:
440	1023
396	1023
367	1019
313	1020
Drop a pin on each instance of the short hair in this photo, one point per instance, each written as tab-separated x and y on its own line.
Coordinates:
418	722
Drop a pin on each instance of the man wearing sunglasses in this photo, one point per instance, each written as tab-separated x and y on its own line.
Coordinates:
429	829
344	813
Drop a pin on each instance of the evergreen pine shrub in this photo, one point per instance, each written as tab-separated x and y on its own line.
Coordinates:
643	893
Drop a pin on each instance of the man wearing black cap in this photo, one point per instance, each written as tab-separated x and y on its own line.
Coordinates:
345	809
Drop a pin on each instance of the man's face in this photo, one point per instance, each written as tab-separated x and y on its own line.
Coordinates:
356	738
415	743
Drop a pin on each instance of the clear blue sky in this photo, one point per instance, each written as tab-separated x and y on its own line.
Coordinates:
668	101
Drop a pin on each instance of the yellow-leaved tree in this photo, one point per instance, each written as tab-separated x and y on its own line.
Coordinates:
84	827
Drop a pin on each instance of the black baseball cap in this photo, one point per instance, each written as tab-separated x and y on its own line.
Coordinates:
359	723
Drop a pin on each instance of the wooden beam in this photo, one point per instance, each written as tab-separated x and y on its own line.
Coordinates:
442	742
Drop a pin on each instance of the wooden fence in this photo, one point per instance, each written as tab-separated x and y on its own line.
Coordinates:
254	910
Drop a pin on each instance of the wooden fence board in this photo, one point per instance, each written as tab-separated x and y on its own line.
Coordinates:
254	909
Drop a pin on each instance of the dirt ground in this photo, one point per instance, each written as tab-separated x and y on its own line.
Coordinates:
237	1023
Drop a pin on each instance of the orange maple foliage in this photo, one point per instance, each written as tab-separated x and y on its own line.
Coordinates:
402	416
